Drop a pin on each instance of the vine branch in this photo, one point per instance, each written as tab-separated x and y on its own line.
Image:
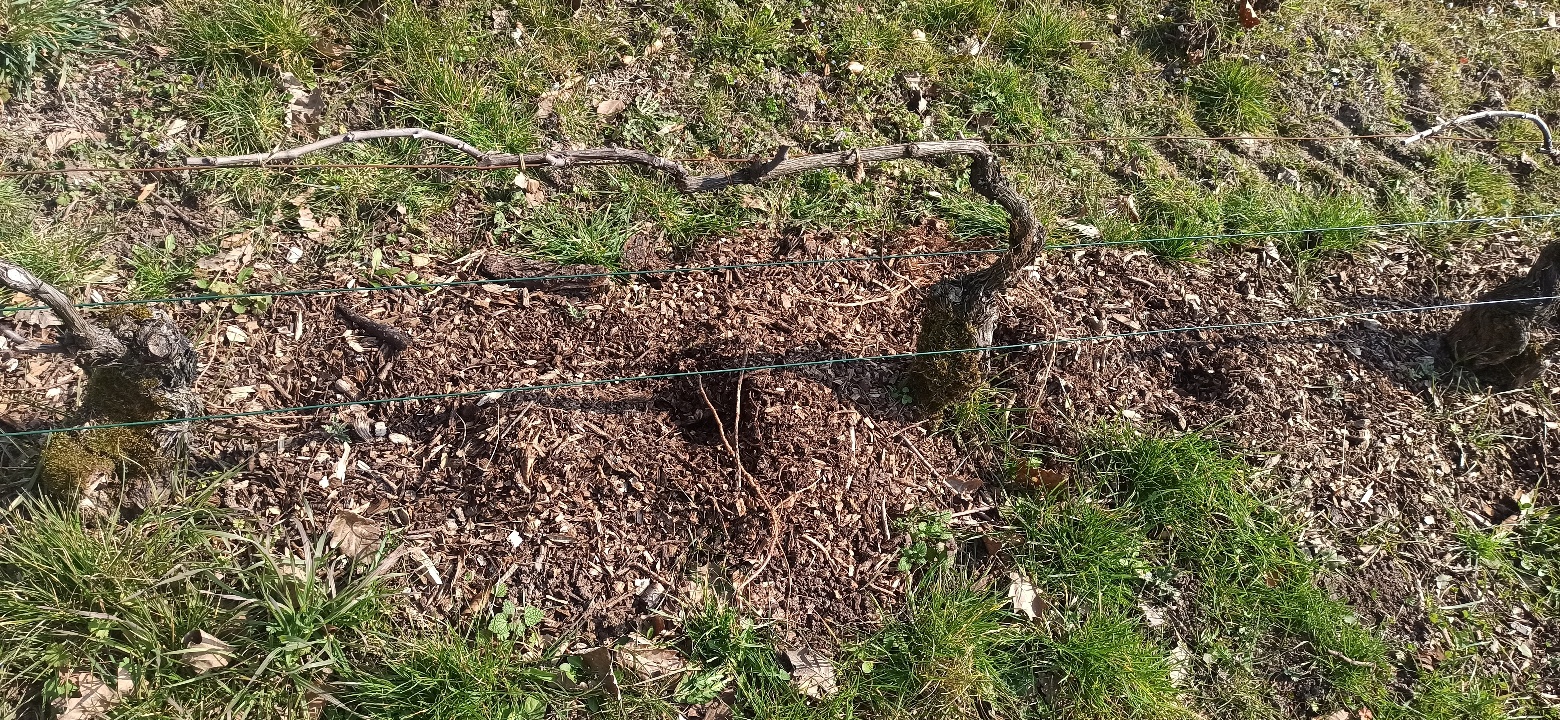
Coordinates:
1543	127
91	339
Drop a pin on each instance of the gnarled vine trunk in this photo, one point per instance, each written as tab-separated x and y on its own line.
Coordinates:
139	368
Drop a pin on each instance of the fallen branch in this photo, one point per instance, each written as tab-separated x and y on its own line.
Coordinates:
959	313
1543	127
393	338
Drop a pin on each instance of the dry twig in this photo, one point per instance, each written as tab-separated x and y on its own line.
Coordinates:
1543	127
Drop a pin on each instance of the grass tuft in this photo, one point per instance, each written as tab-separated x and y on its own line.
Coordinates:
451	678
953	18
241	112
37	35
974	218
1079	550
953	651
1042	36
58	254
570	236
1105	669
274	35
1232	96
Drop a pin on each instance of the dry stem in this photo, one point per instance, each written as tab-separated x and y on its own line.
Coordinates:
1543	127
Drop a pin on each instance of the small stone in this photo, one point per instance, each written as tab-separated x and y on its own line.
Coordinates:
381	429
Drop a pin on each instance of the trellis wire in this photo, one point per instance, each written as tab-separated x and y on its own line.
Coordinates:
775	263
776	366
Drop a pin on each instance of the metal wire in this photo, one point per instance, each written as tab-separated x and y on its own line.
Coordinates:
777	263
776	366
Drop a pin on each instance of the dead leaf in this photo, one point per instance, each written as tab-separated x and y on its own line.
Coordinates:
206	652
1366	713
317	229
57	141
1339	714
92	698
1152	616
1032	477
327	48
855	67
812	672
146	192
304	106
648	662
1247	13
1088	231
1129	206
610	107
236	334
354	534
1026	600
599	661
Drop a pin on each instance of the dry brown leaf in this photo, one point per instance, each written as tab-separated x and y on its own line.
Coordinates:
1026	600
599	661
57	141
146	192
92	698
206	652
1366	713
1247	13
610	107
1029	476
354	534
1339	714
304	106
649	663
812	672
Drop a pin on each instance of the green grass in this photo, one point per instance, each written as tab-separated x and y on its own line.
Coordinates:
455	678
954	649
267	35
1443	696
1253	572
1315	214
1042	36
57	253
241	112
1105	669
951	19
974	218
38	35
732	650
96	596
1232	96
1082	552
108	594
570	236
158	272
742	38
